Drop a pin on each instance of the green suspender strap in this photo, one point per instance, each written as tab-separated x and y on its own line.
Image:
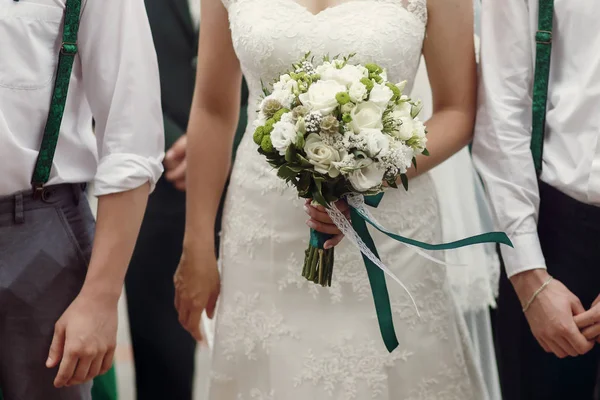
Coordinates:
68	50
543	39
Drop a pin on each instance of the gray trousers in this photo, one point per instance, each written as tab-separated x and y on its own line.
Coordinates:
45	246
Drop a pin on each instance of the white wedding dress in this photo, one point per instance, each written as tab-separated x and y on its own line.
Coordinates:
279	337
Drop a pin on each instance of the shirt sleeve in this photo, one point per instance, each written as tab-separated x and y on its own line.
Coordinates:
501	147
121	83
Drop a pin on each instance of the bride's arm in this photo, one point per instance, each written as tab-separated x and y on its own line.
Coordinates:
450	56
213	120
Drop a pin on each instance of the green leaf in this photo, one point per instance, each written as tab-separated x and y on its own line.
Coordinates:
290	154
425	152
392	183
414	161
286	173
303	161
404	179
318	197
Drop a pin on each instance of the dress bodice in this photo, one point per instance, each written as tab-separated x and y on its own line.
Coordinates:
270	35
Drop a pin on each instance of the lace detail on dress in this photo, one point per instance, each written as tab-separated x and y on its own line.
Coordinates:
257	394
346	364
246	325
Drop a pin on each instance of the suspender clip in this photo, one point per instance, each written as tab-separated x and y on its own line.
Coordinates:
38	191
68	49
543	37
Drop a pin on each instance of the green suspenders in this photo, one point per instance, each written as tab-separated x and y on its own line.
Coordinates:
543	39
68	50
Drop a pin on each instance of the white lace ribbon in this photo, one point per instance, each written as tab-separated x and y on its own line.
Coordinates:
339	219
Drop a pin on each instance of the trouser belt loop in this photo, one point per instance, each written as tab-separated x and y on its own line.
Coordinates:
77	189
19	214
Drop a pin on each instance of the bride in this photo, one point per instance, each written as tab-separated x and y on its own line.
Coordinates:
278	336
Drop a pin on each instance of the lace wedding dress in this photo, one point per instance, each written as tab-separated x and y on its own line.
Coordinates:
279	337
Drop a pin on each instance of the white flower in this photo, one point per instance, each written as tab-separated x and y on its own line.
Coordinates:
357	91
348	107
383	75
412	128
381	95
260	120
284	97
402	110
321	155
378	143
284	134
321	96
366	115
406	128
347	75
286	83
367	177
401	86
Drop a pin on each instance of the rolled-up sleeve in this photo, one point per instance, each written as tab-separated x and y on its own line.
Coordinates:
501	148
121	81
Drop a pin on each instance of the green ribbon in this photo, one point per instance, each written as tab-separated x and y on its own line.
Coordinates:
318	239
377	281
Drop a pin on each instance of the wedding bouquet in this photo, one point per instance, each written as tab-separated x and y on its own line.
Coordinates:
335	129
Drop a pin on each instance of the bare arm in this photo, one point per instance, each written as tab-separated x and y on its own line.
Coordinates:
450	55
213	120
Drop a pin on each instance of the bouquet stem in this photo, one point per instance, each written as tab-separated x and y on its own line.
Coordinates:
318	261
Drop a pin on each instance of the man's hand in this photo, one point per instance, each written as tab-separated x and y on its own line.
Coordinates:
551	315
84	340
589	321
175	163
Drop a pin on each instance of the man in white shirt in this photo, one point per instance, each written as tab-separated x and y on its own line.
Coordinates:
554	223
59	286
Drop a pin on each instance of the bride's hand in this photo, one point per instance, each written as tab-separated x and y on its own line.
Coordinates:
197	287
320	221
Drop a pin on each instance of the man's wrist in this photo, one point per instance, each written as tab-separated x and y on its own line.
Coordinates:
107	290
527	282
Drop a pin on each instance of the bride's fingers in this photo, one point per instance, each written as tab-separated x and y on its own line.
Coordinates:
333	242
318	215
323	227
193	324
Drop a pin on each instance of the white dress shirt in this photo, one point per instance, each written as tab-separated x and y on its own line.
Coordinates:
114	79
195	12
501	149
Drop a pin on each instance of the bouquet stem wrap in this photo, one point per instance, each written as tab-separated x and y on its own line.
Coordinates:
357	232
318	262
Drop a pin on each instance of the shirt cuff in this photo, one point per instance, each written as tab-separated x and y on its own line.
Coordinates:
121	172
526	254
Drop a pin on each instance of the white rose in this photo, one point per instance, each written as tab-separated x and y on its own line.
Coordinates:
381	95
348	107
378	143
283	135
357	92
406	128
321	96
321	155
366	115
402	110
368	177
